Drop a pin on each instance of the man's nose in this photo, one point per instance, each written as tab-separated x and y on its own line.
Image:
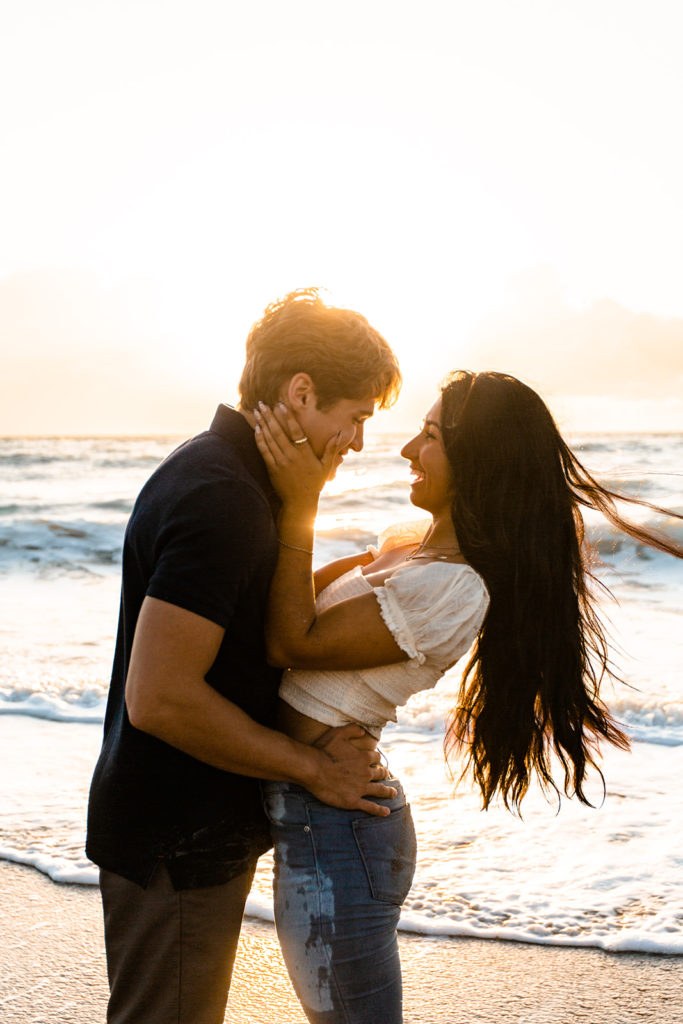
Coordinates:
358	439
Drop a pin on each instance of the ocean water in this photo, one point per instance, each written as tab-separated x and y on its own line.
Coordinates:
609	876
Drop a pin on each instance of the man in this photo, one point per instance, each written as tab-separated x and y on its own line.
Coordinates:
175	820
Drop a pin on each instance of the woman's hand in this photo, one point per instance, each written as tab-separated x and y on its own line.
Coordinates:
296	472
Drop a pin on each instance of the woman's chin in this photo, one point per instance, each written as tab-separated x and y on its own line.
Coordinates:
415	499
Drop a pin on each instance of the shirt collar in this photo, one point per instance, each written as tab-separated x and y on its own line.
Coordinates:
229	424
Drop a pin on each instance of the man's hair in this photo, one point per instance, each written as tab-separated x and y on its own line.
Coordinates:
343	355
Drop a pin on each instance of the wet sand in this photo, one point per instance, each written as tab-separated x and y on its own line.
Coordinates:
52	971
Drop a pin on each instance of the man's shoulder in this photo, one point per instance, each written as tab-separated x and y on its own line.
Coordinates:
205	462
206	454
219	469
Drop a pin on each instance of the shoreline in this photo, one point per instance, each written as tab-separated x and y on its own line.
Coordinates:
52	971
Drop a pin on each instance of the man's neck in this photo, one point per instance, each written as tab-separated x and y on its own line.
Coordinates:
248	415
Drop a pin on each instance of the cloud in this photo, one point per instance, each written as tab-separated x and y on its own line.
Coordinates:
601	349
81	357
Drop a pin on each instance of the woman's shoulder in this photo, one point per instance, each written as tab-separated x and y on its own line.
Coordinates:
441	576
437	608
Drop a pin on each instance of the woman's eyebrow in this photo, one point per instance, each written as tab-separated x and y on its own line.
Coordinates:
432	423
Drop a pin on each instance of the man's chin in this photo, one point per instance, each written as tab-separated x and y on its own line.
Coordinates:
337	465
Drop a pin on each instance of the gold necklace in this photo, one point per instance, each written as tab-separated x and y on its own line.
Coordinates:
422	551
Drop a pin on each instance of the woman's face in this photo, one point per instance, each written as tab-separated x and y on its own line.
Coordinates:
432	487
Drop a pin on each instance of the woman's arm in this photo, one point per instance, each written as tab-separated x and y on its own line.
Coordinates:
350	634
333	570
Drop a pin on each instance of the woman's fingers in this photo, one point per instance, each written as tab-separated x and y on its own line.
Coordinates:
281	430
266	443
329	456
263	446
283	426
294	466
272	433
289	424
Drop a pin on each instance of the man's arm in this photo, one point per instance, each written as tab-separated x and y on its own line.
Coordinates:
167	696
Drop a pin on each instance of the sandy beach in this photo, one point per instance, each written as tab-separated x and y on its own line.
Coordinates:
52	971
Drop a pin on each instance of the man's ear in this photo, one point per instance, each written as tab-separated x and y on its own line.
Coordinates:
299	393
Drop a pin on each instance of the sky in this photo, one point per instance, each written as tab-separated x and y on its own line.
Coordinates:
495	185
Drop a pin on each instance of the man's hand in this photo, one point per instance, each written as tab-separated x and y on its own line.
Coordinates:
347	775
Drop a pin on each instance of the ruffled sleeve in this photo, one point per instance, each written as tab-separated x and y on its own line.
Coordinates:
434	611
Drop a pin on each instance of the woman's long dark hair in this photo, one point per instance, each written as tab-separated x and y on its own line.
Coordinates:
531	686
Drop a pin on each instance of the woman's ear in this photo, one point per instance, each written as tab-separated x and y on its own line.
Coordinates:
299	393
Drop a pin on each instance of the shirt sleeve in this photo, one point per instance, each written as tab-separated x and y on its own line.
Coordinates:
207	549
434	611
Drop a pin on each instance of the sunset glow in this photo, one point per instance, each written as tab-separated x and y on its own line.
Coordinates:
493	185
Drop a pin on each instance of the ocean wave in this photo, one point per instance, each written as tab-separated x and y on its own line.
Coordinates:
21	460
67	545
592	934
654	488
348	535
438	920
648	720
124	505
59	869
149	462
606	539
656	722
83	708
626	443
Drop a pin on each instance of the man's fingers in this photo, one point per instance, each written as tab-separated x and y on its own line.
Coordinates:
379	789
379	810
344	732
349	731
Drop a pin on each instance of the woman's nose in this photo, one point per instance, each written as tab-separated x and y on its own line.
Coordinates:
408	450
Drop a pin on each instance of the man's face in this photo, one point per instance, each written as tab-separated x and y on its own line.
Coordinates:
346	417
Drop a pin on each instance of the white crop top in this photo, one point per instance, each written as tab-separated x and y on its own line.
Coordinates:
433	610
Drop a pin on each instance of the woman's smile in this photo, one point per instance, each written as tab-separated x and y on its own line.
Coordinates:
432	483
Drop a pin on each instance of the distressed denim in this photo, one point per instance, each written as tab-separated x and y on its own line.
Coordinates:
340	880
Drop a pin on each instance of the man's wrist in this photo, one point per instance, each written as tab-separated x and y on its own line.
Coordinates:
309	766
296	527
300	511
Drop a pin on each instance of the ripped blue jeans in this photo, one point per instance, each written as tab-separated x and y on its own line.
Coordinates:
340	880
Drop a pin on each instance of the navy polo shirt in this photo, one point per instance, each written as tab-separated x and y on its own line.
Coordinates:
202	536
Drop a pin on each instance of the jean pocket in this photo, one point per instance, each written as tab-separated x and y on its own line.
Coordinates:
282	807
388	848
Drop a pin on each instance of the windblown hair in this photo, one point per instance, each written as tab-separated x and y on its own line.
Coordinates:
344	356
531	688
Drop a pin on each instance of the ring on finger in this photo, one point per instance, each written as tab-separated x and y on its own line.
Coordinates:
300	440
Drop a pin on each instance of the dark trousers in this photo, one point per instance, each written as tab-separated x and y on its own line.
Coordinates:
170	954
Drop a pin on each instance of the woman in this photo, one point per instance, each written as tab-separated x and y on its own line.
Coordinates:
503	566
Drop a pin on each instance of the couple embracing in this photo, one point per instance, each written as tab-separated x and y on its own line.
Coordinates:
212	753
